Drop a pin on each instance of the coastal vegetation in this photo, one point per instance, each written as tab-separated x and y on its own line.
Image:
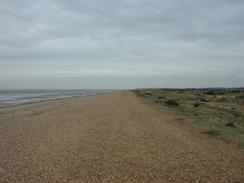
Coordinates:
216	112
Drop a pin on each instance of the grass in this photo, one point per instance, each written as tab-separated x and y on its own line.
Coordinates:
213	118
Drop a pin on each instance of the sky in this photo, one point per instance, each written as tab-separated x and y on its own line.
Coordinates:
120	44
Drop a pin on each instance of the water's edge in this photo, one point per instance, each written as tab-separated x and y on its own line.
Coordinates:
10	98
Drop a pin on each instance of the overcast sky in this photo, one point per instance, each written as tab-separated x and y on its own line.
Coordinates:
121	43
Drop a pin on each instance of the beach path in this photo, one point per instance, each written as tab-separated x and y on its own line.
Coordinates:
110	138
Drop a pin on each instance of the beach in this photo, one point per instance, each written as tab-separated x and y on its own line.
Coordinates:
109	138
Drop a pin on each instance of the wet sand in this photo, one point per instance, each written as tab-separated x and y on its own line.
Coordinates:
109	138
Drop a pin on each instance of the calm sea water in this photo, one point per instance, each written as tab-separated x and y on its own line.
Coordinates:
15	97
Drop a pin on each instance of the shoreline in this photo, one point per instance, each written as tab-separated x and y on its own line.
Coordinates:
109	138
51	100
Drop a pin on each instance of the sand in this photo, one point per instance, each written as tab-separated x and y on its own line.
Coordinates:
109	138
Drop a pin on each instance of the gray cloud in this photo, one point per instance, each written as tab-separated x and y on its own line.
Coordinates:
165	40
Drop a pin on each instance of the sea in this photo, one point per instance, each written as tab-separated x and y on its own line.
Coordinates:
16	97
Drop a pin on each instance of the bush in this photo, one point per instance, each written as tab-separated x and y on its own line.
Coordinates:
209	93
230	124
172	102
204	99
196	104
161	97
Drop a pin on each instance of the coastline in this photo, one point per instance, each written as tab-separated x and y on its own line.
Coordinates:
52	100
111	138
